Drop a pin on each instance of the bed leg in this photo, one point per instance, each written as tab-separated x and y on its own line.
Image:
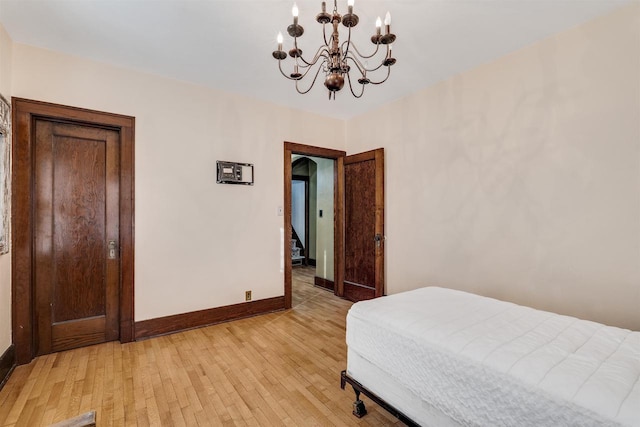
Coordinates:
358	406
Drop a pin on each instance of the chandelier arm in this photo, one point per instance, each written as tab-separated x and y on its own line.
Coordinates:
312	83
377	68
362	67
353	58
348	44
351	88
324	34
357	63
301	65
317	56
385	79
282	72
291	78
355	48
308	68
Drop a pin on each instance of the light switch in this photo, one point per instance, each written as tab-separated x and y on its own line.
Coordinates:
280	211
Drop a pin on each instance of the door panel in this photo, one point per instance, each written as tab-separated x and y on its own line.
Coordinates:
76	212
364	225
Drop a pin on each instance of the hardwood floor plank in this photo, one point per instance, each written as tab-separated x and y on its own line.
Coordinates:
16	411
278	369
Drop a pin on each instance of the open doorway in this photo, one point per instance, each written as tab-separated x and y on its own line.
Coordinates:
311	210
304	186
312	220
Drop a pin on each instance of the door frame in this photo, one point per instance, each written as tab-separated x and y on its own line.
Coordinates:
338	229
24	114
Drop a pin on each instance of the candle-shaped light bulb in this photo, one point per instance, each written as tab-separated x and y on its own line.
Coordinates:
350	5
324	7
390	49
378	25
279	38
387	23
294	12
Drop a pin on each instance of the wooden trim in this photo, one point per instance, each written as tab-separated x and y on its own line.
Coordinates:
361	157
7	364
67	113
338	245
211	316
306	223
310	150
288	264
380	254
24	114
21	230
127	232
327	153
323	283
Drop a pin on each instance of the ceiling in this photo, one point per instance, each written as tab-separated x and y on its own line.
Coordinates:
227	44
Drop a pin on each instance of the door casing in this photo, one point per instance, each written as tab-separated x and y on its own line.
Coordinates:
24	114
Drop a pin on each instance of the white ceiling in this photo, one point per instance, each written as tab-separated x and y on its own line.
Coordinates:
227	44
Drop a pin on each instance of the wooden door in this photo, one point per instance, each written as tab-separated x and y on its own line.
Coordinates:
76	231
364	225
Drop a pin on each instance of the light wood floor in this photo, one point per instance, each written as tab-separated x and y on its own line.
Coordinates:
277	369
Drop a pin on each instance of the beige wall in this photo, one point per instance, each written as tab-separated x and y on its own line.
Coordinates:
198	244
324	225
5	260
520	179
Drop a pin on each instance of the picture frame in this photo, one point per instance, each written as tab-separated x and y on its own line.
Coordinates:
5	174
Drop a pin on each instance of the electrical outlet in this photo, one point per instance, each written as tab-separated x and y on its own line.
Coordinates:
247	295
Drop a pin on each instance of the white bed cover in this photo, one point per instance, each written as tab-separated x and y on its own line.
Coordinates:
485	362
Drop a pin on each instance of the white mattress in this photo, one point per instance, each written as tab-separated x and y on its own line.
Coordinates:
484	362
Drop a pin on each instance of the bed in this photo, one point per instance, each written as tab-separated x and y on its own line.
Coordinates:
441	357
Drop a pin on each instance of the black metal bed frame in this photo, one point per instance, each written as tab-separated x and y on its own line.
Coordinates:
359	409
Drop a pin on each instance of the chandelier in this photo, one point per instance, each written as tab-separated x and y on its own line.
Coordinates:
337	61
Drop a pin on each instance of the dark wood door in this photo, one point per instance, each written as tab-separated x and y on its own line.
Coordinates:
364	225
76	230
